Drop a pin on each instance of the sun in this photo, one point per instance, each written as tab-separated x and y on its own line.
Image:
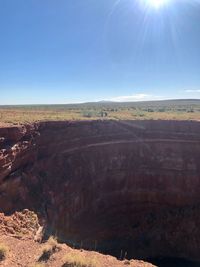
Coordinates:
156	3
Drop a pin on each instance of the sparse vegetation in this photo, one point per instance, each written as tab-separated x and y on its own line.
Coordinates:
17	252
3	252
165	110
50	247
74	259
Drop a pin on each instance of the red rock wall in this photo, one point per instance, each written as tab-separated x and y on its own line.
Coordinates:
110	185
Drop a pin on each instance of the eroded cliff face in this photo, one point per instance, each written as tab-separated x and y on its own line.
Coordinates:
108	185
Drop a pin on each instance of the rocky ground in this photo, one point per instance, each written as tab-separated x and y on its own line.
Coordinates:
20	236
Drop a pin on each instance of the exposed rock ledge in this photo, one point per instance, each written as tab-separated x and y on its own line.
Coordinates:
17	235
112	185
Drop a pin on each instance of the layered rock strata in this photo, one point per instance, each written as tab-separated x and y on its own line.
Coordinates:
113	186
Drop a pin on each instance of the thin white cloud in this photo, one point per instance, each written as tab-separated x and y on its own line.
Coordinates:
192	91
135	97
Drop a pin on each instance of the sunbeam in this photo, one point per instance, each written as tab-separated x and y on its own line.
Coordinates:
157	4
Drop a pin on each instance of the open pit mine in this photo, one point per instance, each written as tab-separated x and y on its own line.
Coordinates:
118	187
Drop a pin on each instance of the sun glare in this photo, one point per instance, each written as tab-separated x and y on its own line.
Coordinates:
156	3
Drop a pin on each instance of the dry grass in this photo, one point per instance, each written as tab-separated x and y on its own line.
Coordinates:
50	247
3	252
74	259
13	116
170	110
52	242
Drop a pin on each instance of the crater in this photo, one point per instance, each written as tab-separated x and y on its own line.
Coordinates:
126	188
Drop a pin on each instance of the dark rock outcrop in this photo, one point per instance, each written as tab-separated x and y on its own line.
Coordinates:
110	185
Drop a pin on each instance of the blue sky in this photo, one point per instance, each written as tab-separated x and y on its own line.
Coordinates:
63	51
